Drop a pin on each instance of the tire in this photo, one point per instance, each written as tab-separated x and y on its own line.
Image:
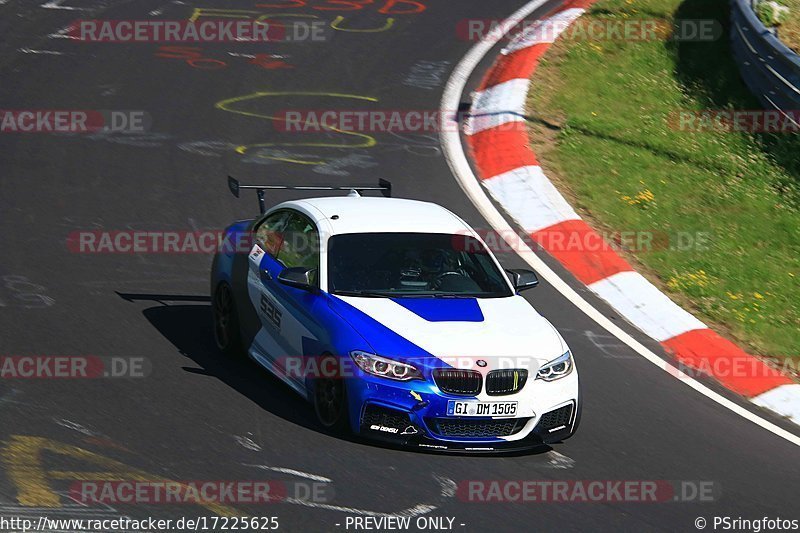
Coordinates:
330	398
226	322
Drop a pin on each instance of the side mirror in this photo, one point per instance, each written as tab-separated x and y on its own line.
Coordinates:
522	279
298	277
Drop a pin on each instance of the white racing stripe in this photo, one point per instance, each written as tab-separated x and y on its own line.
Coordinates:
512	335
506	331
456	158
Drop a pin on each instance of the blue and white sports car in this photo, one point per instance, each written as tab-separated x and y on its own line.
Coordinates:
395	321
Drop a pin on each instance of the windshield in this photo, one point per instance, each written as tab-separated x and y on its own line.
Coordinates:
412	265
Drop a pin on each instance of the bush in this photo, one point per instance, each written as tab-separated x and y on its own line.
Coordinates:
771	13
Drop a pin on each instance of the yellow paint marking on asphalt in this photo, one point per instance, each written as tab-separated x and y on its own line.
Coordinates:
22	456
22	460
260	16
337	25
228	104
218	13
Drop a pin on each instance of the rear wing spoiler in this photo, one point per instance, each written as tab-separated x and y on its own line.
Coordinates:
355	190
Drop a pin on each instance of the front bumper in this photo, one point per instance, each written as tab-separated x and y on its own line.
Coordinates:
414	414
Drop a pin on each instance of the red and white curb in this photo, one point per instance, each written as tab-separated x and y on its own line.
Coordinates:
509	171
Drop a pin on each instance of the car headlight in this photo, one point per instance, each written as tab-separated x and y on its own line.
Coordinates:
557	368
385	368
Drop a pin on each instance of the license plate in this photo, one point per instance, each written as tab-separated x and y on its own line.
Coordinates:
457	408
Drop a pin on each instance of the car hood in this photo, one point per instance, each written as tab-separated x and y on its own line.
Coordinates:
503	332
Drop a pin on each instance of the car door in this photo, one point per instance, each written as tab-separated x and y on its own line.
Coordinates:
262	267
300	247
291	330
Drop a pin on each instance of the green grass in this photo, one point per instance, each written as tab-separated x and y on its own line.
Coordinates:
789	31
787	23
600	115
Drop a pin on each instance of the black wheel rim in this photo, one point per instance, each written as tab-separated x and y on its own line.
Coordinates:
329	396
223	313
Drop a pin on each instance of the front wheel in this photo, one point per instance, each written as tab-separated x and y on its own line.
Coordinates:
330	397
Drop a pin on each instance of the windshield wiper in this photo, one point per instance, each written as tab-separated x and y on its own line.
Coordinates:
452	295
433	295
365	294
455	295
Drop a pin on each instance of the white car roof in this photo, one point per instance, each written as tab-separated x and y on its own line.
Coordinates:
361	214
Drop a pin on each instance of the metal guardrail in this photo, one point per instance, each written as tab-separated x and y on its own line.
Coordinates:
769	68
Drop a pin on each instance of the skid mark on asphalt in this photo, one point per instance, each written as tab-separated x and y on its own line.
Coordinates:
292	472
69	424
559	460
95	5
411	512
108	90
8	398
160	10
427	75
416	145
607	344
91	436
40	52
63	33
58	4
447	489
247	442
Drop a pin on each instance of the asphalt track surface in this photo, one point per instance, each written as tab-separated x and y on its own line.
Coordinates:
199	417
